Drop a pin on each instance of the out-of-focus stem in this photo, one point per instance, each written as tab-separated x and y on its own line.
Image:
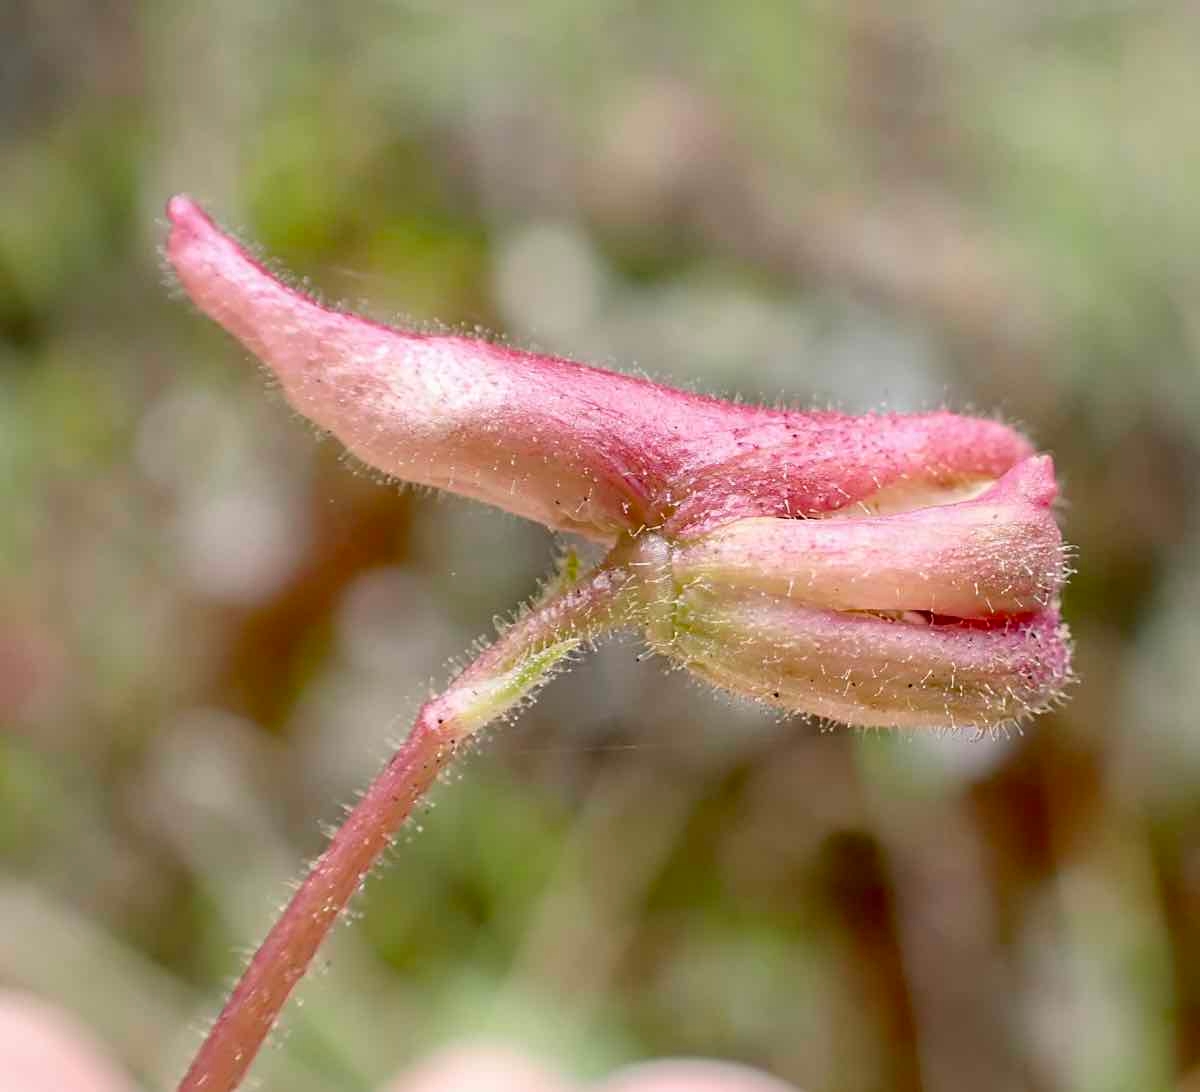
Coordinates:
524	657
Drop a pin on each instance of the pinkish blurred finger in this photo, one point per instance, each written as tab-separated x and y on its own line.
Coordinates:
691	1076
478	1069
42	1049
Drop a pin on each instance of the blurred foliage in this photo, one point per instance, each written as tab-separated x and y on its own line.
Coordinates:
212	625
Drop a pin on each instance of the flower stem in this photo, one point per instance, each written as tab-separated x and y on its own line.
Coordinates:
526	655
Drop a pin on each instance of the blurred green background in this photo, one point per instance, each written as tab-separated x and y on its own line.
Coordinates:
211	626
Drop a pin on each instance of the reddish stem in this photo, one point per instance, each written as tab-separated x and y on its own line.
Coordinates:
577	613
281	961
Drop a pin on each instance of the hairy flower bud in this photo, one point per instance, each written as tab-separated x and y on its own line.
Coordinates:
890	570
885	569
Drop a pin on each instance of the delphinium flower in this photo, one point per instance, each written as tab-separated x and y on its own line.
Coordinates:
893	570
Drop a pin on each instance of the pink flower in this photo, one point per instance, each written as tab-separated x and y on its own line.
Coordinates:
880	570
888	569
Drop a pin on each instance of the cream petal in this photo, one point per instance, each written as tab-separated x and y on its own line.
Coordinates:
1000	553
866	670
